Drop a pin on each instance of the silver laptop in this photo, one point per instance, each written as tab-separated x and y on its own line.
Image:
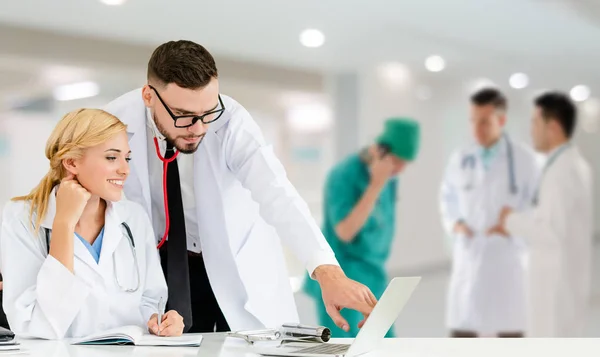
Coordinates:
382	318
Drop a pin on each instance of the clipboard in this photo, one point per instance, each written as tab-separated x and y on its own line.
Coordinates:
287	333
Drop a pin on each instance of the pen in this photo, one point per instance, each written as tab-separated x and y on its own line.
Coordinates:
160	313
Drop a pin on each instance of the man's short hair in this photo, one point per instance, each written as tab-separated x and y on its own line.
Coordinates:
487	96
558	106
185	63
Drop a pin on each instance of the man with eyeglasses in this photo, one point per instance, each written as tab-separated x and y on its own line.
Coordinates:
213	206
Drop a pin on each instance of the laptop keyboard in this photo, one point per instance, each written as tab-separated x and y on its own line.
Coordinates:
325	349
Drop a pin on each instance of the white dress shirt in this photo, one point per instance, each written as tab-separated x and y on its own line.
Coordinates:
185	163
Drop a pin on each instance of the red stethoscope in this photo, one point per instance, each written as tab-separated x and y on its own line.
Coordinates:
166	198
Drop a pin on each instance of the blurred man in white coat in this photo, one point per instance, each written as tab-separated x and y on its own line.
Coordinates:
486	293
559	229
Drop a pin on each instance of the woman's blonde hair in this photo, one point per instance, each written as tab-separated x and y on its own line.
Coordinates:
74	133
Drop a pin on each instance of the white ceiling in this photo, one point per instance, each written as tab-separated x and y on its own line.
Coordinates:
525	33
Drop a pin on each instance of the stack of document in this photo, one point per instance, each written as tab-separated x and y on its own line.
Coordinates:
135	335
9	347
8	344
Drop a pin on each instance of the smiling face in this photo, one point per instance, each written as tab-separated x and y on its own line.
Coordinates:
174	106
103	169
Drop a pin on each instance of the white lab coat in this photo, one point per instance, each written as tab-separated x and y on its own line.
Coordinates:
241	193
486	292
44	299
559	233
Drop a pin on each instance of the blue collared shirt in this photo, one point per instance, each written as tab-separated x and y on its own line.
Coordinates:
488	154
94	248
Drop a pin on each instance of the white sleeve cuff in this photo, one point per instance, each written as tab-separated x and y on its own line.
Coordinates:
60	294
321	257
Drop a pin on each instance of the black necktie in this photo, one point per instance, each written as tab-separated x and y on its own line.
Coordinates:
178	276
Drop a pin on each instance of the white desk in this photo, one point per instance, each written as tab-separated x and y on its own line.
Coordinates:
214	345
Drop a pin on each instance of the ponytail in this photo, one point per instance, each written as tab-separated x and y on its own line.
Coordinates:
39	198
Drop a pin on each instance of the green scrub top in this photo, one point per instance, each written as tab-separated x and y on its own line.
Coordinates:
363	259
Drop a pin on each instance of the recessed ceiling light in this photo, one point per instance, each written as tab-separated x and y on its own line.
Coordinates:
580	93
113	2
435	63
591	118
312	38
592	107
518	80
309	118
76	91
394	75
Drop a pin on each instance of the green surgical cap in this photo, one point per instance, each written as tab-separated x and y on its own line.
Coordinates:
402	136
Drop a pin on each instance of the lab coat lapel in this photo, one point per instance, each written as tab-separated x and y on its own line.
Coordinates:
83	254
212	224
112	237
208	197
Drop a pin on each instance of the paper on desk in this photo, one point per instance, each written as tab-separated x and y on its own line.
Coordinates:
182	341
135	335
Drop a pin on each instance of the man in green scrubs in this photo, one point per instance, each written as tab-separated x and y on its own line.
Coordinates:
359	214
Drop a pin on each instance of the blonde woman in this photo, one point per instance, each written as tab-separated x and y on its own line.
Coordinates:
75	258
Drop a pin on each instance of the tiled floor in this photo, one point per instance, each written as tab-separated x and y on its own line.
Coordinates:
423	316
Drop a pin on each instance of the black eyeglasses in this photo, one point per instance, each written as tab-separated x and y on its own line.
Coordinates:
184	121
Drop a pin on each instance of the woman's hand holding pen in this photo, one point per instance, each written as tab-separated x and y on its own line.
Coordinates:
171	324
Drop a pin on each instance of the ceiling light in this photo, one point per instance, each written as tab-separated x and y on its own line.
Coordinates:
312	38
518	80
57	75
435	63
76	91
580	93
394	74
309	118
592	107
113	2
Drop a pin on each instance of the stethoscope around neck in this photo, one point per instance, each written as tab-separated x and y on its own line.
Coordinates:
133	251
165	195
469	161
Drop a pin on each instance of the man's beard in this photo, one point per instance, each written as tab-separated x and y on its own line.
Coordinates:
186	148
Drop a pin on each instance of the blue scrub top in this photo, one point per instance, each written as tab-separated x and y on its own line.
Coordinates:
94	248
488	154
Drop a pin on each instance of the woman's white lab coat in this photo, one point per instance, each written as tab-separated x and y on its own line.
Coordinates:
246	207
43	299
487	286
559	233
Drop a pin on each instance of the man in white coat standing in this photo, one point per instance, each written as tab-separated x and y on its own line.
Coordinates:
214	189
486	294
559	229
